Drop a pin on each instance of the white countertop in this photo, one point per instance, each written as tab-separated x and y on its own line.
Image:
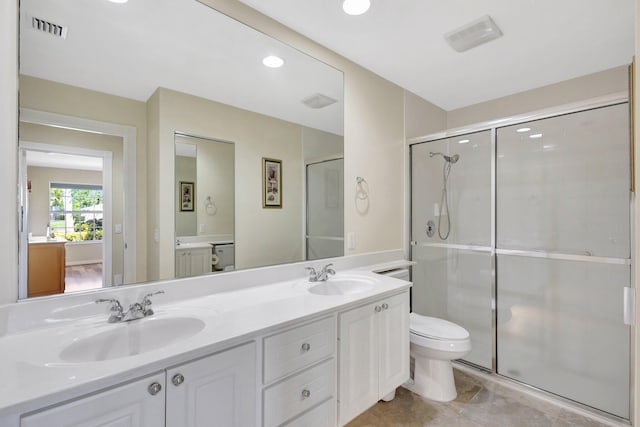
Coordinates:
32	375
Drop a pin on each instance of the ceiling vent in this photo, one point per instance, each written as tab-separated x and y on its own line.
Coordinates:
473	34
48	27
318	100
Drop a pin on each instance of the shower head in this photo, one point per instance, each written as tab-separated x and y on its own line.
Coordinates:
451	159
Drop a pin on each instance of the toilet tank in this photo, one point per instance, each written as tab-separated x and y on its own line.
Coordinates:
223	257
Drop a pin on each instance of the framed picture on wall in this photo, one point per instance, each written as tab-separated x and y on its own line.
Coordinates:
271	183
187	196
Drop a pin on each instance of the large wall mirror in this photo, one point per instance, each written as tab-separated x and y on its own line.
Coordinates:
143	132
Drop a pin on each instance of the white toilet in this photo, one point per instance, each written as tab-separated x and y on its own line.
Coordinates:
434	344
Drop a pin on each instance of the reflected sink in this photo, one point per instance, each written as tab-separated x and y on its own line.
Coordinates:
340	286
131	338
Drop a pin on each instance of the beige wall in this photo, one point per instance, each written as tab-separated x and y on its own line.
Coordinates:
569	91
216	179
422	117
53	97
262	236
320	145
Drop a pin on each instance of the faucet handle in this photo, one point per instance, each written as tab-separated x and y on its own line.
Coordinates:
116	308
313	274
115	304
146	300
329	270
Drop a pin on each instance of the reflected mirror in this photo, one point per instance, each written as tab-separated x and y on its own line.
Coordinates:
166	71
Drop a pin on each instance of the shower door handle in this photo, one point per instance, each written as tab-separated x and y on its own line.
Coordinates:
629	306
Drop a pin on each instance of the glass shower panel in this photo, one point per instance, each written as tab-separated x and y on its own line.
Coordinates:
560	328
455	284
468	186
563	184
325	209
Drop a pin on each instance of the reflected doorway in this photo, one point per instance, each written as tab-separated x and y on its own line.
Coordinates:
66	217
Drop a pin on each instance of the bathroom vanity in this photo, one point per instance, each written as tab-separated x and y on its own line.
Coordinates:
265	355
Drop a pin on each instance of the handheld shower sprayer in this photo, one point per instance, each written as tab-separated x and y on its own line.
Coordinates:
444	203
450	159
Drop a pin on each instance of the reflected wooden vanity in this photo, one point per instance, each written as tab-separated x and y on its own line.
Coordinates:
46	267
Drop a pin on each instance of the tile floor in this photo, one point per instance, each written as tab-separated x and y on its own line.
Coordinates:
480	402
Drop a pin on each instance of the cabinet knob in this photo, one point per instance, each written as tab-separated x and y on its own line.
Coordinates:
378	309
385	306
306	393
177	379
154	388
306	347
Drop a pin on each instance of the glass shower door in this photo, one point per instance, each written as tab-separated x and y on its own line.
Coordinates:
451	236
325	209
563	255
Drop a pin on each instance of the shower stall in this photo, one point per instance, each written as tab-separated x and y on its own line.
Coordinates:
521	234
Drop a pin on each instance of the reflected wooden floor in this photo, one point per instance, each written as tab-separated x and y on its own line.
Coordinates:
83	277
480	403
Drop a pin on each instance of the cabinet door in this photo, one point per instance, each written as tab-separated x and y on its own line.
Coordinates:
181	263
393	328
130	405
218	390
358	361
199	262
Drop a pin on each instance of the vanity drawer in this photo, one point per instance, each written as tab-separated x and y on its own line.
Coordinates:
293	349
323	415
295	395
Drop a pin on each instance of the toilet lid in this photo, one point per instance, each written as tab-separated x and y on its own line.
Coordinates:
432	327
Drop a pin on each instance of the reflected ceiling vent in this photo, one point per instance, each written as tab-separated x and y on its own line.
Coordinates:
49	27
318	100
473	34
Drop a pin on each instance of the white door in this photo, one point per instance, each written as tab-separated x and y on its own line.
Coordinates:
218	390
393	328
358	361
137	404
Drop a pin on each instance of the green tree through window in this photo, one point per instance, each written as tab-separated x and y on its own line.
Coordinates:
76	211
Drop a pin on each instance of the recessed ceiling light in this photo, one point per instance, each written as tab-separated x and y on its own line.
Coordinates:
355	7
118	1
272	61
523	130
535	135
463	141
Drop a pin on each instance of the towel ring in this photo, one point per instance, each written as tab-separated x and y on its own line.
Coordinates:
210	206
362	188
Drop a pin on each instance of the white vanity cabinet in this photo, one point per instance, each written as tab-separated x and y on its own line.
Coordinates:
193	262
374	353
216	390
220	388
136	404
299	375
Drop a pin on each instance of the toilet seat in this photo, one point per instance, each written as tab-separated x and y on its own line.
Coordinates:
436	329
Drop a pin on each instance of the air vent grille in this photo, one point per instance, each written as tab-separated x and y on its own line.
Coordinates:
473	34
48	27
318	100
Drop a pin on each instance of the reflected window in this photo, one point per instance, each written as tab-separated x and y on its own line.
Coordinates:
76	211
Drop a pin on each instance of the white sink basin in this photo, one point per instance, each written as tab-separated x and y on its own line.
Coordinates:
342	286
131	338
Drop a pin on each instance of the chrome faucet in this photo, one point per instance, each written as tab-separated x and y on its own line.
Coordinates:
137	310
322	275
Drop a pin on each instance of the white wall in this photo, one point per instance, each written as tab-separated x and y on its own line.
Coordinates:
8	139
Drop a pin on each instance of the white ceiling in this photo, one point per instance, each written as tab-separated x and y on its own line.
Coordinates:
545	41
132	49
